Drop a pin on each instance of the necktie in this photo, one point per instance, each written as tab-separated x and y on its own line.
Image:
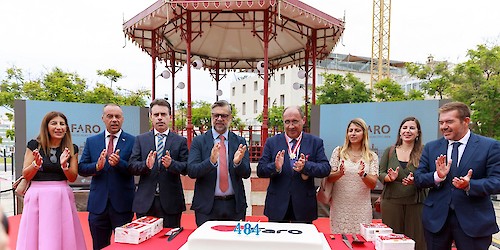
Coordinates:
110	149
223	175
159	147
292	161
454	155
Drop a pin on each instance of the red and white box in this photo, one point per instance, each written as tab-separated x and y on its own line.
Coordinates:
156	223
394	242
368	230
132	233
138	230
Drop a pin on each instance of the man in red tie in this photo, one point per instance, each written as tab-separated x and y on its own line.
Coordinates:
105	158
219	162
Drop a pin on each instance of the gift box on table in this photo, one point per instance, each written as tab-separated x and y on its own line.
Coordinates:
138	230
368	230
393	242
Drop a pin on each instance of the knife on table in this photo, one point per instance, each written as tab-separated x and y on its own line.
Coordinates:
346	241
172	236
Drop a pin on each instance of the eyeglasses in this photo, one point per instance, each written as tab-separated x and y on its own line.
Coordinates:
53	157
222	116
294	122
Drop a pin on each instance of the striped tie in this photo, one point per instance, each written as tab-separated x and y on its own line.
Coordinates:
159	147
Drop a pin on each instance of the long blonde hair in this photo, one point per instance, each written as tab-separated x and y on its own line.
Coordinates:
366	153
44	136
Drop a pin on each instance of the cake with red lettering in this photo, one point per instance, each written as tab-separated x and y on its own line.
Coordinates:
230	235
394	242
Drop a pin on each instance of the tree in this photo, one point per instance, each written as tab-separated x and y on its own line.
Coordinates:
61	86
387	90
476	82
435	74
111	74
275	117
342	89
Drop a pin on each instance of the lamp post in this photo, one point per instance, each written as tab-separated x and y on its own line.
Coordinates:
180	85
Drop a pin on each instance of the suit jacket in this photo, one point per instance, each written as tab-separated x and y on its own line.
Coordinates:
201	169
113	183
288	184
171	193
474	210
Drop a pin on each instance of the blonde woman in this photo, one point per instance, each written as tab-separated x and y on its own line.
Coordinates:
355	173
50	220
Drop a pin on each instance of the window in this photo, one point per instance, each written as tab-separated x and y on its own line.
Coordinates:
282	79
282	100
255	106
255	86
233	91
244	88
244	108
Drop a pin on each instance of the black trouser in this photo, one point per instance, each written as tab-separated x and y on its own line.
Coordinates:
156	210
102	225
224	208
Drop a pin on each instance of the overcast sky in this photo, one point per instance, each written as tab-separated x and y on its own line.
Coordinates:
84	36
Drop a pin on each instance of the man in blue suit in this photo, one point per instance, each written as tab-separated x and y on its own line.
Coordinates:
159	157
292	160
105	158
219	193
462	170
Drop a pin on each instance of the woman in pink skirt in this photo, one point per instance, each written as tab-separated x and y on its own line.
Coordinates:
50	220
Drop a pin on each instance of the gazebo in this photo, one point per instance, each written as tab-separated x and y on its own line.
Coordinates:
227	35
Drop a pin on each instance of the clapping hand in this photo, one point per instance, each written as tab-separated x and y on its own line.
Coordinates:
462	182
278	161
408	180
442	168
392	174
298	166
166	160
150	161
238	155
64	158
361	168
114	158
101	160
37	158
214	155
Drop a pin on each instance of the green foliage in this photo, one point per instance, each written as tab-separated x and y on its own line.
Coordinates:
275	117
201	113
61	86
436	76
476	82
387	90
342	89
111	74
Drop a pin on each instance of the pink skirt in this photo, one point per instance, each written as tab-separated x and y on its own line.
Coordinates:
50	220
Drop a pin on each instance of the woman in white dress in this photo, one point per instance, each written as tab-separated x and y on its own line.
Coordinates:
354	173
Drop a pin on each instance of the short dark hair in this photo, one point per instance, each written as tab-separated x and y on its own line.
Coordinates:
160	102
462	108
222	103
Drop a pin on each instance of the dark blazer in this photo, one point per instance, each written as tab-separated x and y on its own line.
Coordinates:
171	194
201	169
289	184
113	183
474	211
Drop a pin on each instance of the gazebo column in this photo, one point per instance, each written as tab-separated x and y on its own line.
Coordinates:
172	71
306	99
314	58
217	79
265	111
154	54
188	35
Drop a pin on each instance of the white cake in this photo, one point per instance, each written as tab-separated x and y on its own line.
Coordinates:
394	242
220	235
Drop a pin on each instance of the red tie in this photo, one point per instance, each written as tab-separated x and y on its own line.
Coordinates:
110	149
223	175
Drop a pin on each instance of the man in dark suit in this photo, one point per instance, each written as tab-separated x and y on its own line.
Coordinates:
292	160
159	157
219	193
105	158
462	170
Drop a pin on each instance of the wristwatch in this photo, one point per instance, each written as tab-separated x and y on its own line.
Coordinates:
364	175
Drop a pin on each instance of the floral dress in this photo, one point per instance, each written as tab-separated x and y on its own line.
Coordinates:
351	199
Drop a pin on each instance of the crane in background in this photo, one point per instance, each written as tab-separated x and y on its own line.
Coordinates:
381	33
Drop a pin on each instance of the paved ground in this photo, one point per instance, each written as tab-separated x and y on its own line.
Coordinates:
6	201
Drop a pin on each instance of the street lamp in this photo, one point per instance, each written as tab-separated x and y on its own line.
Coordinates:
180	85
